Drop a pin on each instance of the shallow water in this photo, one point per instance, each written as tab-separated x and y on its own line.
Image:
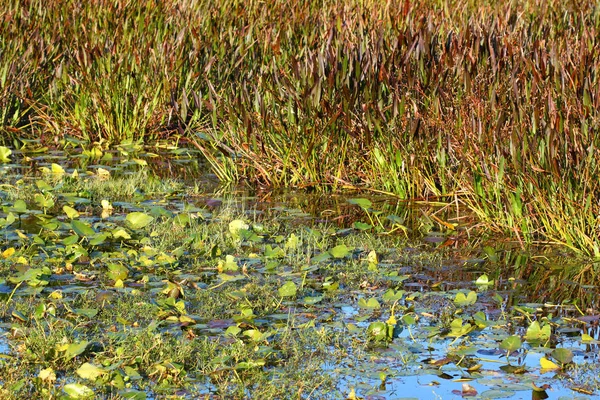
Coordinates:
535	282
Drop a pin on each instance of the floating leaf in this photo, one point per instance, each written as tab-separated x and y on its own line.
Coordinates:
228	265
361	226
75	349
47	375
103	173
547	364
536	332
90	371
57	169
82	229
362	203
511	343
288	289
321	257
378	330
371	304
138	220
340	251
71	212
483	280
392	295
19	207
236	227
457	329
78	391
8	252
465	300
44	201
5	153
562	355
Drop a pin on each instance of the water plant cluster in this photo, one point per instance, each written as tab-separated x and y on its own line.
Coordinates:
495	104
117	284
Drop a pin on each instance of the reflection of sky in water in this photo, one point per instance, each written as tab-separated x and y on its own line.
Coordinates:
408	375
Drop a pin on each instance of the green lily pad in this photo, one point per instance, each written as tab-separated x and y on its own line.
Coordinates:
511	343
78	391
138	220
90	371
288	289
340	251
465	300
82	229
362	203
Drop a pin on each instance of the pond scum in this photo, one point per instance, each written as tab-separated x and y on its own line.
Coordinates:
490	106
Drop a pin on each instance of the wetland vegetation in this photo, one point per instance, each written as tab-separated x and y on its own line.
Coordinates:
299	199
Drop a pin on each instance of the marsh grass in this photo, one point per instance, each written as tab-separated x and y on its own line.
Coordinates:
494	103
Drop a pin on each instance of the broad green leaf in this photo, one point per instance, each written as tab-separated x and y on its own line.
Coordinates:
465	300
340	251
288	289
43	201
82	228
228	265
250	364
71	212
5	153
292	243
276	252
75	349
19	207
117	271
361	226
378	330
392	295
562	355
78	391
120	233
90	371
457	329
362	203
43	185
536	332
138	220
483	280
511	343
480	320
321	257
372	257
69	240
236	227
371	304
98	239
233	330
132	373
312	299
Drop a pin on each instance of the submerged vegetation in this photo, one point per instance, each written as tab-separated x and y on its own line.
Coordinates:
117	284
492	105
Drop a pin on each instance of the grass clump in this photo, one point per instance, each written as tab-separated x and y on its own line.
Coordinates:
493	104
